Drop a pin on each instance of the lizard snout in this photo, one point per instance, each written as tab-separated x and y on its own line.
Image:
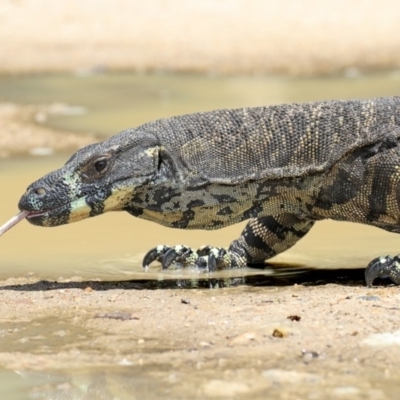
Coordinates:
34	196
45	194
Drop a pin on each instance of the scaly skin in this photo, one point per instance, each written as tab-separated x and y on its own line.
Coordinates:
281	167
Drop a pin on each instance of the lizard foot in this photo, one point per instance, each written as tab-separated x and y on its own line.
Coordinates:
206	258
383	267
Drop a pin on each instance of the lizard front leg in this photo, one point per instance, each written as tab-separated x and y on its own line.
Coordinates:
261	239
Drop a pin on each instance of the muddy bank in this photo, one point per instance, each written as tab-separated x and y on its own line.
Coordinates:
288	37
239	342
23	134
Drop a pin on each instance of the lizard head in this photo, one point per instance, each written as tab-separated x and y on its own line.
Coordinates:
98	178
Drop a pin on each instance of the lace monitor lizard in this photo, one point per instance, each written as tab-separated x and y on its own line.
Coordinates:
281	167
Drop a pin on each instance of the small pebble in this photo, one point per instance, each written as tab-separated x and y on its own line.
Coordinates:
279	332
309	355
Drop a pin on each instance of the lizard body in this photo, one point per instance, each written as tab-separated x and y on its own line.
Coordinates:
282	167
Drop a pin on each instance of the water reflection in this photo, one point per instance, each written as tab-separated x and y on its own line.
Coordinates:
271	277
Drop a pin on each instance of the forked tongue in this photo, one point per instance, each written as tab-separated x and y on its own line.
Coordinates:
13	221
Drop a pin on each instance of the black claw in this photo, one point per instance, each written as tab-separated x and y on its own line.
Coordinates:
206	258
204	251
169	257
383	267
151	256
212	263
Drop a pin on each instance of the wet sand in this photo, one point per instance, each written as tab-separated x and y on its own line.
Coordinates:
321	342
290	37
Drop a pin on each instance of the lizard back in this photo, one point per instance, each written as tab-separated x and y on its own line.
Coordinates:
233	146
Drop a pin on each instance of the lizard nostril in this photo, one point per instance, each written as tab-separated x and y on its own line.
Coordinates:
40	191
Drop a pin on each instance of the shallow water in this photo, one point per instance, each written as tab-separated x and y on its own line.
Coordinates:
111	247
114	102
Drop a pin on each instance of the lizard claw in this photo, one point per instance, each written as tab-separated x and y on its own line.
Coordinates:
167	255
206	263
383	267
205	259
212	262
179	254
155	254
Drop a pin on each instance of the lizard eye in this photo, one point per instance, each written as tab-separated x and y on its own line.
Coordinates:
97	167
100	165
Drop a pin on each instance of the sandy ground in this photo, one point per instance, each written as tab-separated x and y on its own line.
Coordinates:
257	36
294	342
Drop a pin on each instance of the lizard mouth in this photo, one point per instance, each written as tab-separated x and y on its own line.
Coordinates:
78	209
50	217
33	214
34	217
64	214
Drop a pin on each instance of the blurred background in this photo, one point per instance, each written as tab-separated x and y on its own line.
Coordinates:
230	36
76	72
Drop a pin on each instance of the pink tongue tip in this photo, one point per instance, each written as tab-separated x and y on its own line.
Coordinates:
13	221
